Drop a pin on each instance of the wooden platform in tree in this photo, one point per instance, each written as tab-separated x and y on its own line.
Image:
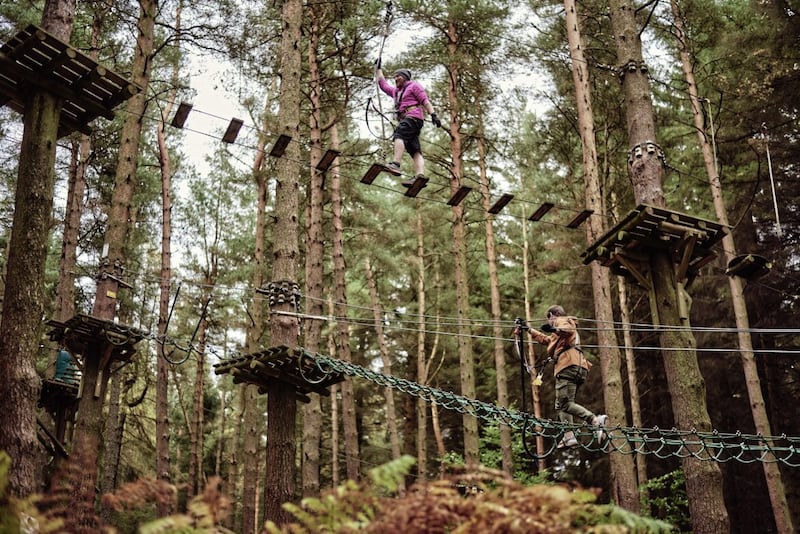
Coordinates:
283	364
34	58
627	247
78	333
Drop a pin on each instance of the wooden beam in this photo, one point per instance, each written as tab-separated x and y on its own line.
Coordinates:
541	211
459	196
634	270
501	202
578	220
280	146
419	183
179	119
327	159
233	130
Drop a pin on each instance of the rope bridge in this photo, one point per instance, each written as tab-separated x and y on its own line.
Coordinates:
705	446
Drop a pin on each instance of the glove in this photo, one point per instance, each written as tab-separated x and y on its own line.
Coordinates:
435	120
378	64
548	328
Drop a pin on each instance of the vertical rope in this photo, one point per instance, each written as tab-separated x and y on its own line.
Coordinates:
387	19
772	182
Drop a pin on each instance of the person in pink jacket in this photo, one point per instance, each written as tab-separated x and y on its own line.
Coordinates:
410	99
571	370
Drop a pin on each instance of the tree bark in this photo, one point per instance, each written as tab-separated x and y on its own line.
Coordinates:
89	426
703	478
348	415
312	411
623	477
772	474
23	304
494	292
162	372
377	311
465	355
279	482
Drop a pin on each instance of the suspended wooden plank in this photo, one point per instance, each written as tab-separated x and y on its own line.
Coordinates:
419	183
233	130
327	159
578	220
459	196
541	211
500	203
179	119
280	146
375	169
748	266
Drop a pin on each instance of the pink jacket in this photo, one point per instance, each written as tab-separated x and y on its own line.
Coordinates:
561	344
408	101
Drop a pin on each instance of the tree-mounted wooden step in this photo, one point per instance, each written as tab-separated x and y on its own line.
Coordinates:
82	331
283	364
627	247
34	58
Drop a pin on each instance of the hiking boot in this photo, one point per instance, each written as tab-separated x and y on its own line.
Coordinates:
600	421
568	441
393	167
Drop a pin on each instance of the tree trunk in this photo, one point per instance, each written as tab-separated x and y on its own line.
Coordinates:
352	456
332	335
89	427
633	386
687	389
312	411
162	372
494	291
623	478
23	304
465	355
422	364
391	415
279	482
777	495
537	405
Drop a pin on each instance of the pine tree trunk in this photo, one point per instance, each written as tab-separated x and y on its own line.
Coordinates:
772	474
537	404
686	385
162	372
23	303
76	185
279	482
623	477
465	355
422	364
633	386
352	456
391	415
89	426
312	411
494	292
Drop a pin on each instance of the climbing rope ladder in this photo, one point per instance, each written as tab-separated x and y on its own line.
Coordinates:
705	446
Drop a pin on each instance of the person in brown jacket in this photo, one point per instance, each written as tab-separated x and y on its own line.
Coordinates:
571	369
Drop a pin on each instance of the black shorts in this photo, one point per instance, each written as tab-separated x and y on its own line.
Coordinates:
408	130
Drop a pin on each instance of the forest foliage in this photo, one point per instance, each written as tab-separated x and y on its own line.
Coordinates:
516	93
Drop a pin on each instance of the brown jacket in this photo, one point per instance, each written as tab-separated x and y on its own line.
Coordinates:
561	345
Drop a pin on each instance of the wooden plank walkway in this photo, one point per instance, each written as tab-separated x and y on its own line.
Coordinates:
291	366
34	58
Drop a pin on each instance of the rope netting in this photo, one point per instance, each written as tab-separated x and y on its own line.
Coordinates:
662	443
